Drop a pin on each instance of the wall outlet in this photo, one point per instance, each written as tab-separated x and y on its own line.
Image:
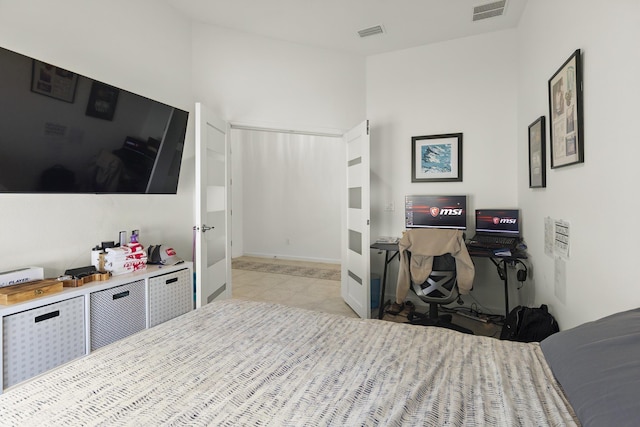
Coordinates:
389	207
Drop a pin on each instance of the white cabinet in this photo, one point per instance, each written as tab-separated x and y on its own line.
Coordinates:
43	333
36	340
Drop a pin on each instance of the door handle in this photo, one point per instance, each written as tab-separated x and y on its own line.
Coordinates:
205	228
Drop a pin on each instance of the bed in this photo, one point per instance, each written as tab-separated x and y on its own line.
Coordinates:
239	362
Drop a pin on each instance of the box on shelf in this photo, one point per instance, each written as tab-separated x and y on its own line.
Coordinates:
26	291
21	275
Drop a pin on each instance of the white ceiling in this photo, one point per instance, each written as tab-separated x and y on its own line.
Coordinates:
334	24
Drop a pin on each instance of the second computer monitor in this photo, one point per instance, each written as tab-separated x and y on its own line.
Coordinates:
426	211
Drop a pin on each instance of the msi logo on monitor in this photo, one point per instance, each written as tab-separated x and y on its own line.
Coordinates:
498	220
435	211
454	212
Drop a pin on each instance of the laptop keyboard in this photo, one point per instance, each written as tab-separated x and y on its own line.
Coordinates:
495	242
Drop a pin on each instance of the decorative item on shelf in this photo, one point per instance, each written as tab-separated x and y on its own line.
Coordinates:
79	276
74	282
163	255
97	258
26	291
125	259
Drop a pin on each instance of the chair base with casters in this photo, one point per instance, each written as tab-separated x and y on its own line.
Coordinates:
440	288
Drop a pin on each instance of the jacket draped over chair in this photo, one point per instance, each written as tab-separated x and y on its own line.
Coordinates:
424	245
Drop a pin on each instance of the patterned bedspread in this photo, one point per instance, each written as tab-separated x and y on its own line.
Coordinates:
237	363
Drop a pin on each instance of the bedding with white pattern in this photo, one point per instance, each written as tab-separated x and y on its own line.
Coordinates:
235	363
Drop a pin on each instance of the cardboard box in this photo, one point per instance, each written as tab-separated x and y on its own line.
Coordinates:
21	275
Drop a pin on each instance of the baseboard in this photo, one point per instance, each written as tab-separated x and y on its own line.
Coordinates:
293	258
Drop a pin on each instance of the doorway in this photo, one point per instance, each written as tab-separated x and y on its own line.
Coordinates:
287	194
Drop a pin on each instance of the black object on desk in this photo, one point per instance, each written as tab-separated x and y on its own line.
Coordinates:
501	262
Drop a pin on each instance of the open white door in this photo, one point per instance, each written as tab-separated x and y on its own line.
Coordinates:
213	221
356	287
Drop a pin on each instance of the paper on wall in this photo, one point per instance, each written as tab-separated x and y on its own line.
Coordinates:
561	239
548	236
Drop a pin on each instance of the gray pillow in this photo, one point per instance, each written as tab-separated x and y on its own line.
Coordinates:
598	366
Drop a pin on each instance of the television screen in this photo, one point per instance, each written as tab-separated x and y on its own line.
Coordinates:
498	221
436	212
61	132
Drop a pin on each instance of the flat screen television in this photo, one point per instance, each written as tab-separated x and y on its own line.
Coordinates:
427	211
61	132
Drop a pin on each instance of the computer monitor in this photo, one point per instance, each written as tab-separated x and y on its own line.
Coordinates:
427	211
498	221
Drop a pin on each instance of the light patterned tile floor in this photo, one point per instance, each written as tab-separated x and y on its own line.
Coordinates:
316	294
303	292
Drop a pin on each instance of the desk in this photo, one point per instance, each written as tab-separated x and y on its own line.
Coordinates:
501	263
391	251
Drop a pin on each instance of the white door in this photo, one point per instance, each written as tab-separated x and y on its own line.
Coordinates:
213	220
356	288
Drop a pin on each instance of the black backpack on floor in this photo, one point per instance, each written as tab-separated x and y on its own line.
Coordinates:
527	324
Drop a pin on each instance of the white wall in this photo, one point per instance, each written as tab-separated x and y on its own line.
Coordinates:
468	86
258	81
599	197
292	191
141	46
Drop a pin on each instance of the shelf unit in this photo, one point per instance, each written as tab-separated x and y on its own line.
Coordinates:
46	332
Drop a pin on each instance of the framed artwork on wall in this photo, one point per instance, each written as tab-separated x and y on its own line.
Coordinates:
566	139
537	160
436	158
56	82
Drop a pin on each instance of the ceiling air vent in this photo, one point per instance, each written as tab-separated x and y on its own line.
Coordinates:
372	31
489	10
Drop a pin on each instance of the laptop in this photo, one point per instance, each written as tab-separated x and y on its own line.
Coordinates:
497	229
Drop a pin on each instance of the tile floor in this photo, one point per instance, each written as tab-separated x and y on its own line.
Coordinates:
303	292
315	294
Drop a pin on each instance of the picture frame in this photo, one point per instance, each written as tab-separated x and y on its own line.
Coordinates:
436	158
537	154
102	101
56	82
566	129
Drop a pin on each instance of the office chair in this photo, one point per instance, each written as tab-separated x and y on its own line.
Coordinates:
440	288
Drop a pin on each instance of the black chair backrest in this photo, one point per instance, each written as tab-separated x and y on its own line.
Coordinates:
440	286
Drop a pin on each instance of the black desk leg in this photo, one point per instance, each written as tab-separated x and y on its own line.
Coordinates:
384	285
387	260
506	288
504	275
